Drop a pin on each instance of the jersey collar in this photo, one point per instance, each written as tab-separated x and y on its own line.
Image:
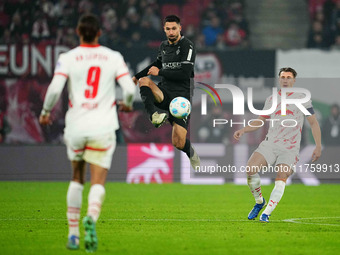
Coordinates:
89	45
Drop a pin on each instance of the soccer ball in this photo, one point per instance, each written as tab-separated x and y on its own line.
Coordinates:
180	107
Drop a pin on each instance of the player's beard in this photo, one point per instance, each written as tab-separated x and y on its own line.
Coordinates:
173	39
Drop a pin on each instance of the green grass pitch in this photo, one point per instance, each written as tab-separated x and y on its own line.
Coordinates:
172	219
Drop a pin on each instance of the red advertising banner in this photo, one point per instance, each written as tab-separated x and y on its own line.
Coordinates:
150	163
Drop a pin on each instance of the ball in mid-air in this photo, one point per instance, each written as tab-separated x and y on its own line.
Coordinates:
180	107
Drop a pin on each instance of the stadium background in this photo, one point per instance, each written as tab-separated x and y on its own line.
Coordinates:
238	43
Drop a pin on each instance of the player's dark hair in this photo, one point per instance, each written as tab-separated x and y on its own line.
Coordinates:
288	69
335	106
172	18
88	27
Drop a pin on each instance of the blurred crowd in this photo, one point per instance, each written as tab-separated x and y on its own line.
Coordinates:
125	23
218	24
324	32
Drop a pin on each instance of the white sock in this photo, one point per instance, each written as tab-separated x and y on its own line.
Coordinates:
254	183
275	197
74	198
96	199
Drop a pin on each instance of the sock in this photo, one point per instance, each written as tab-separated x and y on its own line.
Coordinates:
254	183
74	198
148	99
188	149
275	196
96	199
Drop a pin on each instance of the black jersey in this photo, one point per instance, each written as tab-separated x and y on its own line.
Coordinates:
176	66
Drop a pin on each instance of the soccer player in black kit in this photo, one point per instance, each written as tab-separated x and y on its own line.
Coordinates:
175	64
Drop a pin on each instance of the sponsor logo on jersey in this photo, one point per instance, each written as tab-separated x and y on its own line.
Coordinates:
172	65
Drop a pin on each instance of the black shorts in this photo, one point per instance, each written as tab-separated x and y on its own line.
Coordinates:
164	105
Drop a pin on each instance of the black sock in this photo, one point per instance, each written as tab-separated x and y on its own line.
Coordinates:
188	148
148	99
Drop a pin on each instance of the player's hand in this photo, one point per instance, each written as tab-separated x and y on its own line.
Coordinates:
45	120
135	80
238	134
153	71
316	153
123	107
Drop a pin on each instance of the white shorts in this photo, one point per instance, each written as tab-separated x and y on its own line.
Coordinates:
275	154
97	150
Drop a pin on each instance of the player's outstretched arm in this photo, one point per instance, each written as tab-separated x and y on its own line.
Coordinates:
314	124
256	125
146	71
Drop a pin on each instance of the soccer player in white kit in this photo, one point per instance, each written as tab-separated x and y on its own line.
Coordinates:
91	120
280	147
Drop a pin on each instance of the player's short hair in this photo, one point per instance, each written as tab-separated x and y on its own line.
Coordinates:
88	27
335	105
288	69
172	18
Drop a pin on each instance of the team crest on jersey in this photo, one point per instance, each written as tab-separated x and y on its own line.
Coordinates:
178	51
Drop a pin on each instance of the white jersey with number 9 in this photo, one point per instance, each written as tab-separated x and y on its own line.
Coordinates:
92	72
